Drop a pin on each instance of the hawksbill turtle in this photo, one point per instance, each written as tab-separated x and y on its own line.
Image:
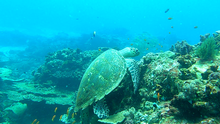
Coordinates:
105	73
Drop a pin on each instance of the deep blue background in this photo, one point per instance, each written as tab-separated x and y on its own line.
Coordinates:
120	17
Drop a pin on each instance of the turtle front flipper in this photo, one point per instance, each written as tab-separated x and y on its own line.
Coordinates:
133	68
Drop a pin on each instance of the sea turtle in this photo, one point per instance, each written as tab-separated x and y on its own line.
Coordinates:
104	74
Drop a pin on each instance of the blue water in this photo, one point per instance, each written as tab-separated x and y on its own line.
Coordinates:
30	29
124	19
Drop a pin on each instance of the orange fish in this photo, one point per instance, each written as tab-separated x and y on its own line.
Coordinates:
67	111
74	122
99	49
146	48
169	32
132	44
171	26
170	18
72	115
158	97
38	122
55	110
145	39
128	38
75	113
34	121
195	27
53	117
61	117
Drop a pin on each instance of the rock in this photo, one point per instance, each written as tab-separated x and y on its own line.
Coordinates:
182	47
18	108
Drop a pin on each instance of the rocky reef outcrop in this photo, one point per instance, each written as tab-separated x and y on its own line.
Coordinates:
182	48
64	69
175	87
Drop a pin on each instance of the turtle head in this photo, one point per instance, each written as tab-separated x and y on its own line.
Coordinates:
129	52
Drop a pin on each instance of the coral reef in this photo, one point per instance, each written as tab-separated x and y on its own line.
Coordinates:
182	47
174	87
64	68
207	50
203	38
158	75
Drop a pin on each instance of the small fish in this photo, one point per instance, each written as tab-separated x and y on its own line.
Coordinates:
145	39
167	10
75	113
170	18
38	122
132	44
94	33
169	32
53	117
195	27
146	48
55	110
158	97
161	46
61	117
156	48
72	115
74	122
128	38
100	50
159	43
171	26
34	121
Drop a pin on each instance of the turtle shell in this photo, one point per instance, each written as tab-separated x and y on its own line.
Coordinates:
102	76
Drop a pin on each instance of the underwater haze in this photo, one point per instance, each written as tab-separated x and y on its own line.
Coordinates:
109	61
49	17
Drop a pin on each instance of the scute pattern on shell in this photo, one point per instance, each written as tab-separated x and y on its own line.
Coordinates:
102	76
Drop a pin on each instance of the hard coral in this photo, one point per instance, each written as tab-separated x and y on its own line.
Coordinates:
186	61
64	68
182	47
